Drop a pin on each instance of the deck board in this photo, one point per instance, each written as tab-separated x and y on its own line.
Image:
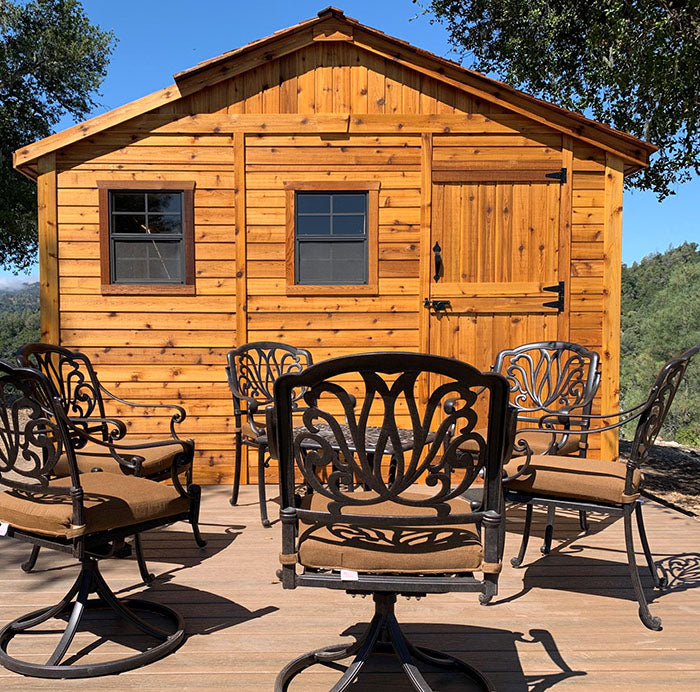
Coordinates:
566	621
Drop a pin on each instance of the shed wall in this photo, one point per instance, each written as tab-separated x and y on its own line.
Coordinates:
172	348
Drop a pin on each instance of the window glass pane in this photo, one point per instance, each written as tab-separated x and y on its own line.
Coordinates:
164	201
313	225
309	203
165	262
164	224
128	223
147	261
128	201
331	263
343	204
349	225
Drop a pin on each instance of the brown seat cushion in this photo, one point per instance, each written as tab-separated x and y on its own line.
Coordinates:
111	500
94	456
442	549
538	442
573	478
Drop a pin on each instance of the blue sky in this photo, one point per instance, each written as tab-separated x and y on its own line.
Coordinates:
158	38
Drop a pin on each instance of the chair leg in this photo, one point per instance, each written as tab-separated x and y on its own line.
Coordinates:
548	531
653	623
659	581
28	566
90	580
517	561
195	493
238	456
583	521
146	576
262	495
73	622
382	636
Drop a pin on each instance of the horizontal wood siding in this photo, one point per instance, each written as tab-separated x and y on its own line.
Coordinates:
156	349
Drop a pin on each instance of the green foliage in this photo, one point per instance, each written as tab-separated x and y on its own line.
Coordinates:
632	64
19	319
51	61
660	319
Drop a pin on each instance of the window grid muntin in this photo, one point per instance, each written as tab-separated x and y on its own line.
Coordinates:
300	239
155	239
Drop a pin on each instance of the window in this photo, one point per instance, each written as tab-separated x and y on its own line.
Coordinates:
147	237
332	238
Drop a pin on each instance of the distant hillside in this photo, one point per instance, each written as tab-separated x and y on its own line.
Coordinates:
660	319
19	319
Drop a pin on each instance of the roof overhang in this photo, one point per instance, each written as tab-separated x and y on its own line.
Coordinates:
331	24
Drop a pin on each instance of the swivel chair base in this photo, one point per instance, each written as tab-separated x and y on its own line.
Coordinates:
383	636
90	581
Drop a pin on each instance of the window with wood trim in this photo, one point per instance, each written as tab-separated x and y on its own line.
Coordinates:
332	235
147	237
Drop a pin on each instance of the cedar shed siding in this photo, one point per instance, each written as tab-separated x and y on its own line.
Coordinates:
334	108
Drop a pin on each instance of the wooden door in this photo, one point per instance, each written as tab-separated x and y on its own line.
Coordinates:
499	244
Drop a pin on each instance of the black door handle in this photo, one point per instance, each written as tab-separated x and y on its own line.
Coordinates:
437	250
437	305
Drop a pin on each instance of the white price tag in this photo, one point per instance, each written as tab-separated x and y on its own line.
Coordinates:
3	528
348	575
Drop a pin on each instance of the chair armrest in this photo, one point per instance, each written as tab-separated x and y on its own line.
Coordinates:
520	446
177	417
628	415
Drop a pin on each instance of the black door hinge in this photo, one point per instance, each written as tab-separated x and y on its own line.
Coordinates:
559	302
557	175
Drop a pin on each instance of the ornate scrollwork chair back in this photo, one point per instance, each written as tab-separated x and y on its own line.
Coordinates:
607	487
251	371
73	378
551	377
430	455
85	515
396	528
31	434
78	391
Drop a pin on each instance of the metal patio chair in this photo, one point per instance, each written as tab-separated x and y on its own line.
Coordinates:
75	382
551	377
402	529
604	486
251	371
87	515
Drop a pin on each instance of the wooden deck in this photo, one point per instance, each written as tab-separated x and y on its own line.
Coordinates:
566	621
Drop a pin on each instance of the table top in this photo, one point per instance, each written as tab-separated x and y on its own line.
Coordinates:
371	438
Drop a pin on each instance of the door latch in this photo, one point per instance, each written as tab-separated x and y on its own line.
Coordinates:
437	305
559	302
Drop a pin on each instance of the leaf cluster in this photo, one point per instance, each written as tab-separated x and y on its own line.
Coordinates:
660	319
19	319
632	64
52	61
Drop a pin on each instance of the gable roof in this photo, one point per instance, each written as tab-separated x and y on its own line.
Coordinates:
332	24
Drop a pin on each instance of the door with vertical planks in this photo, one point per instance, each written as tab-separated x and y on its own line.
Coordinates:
495	251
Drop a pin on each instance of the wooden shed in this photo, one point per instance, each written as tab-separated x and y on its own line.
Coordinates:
300	189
